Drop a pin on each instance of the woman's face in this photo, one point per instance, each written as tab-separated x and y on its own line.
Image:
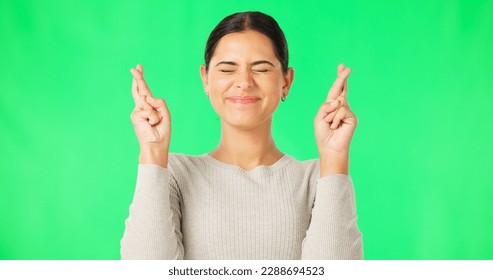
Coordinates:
245	81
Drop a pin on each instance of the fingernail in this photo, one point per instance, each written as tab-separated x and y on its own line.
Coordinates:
334	103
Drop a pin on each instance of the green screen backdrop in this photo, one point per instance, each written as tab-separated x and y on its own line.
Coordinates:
421	87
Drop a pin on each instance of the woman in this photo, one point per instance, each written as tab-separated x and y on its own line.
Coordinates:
245	199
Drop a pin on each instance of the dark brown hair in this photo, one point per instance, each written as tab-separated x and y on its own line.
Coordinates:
244	21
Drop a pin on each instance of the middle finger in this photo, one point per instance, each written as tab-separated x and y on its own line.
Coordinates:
142	87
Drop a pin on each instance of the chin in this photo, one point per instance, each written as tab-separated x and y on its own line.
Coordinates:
244	122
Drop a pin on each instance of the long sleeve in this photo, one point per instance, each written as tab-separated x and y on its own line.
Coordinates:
333	232
152	230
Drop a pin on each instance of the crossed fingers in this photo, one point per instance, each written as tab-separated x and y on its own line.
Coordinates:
339	87
140	89
336	108
146	106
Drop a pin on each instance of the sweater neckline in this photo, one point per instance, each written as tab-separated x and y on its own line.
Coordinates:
274	167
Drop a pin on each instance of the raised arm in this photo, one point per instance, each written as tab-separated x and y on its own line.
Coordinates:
151	120
333	232
152	230
334	125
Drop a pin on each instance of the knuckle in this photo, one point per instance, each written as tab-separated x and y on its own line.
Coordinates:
144	114
153	114
323	107
136	115
330	103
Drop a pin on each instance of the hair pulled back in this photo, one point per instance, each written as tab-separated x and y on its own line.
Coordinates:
244	21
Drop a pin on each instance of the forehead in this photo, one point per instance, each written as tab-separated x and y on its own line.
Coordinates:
246	44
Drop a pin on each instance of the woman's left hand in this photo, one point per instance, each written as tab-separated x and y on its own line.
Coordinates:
335	123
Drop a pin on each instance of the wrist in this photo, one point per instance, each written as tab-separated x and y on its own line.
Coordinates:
151	154
334	163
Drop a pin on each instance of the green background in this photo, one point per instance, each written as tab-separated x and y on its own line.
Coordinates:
421	87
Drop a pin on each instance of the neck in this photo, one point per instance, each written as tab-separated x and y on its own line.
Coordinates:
247	148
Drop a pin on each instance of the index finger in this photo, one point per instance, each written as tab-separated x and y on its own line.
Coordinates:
135	92
139	101
142	87
344	87
338	85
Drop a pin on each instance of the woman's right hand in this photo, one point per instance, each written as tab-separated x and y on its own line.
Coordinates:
151	121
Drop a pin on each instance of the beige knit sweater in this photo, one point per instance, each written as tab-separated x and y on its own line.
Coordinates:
201	208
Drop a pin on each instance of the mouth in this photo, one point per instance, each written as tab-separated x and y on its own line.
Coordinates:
243	99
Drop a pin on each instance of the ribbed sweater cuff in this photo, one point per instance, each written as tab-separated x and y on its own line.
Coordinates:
335	180
152	175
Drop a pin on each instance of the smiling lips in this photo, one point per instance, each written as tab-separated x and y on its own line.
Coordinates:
243	99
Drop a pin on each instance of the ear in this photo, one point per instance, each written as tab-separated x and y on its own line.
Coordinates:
203	76
288	81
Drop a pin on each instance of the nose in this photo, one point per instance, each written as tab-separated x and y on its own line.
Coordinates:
244	80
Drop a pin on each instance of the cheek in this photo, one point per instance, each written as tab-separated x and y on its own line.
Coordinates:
269	85
220	84
217	88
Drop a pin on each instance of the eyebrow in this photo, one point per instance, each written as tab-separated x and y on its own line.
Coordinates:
252	64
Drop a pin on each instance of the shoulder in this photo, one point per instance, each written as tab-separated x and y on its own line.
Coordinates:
183	168
303	176
183	162
309	169
310	165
